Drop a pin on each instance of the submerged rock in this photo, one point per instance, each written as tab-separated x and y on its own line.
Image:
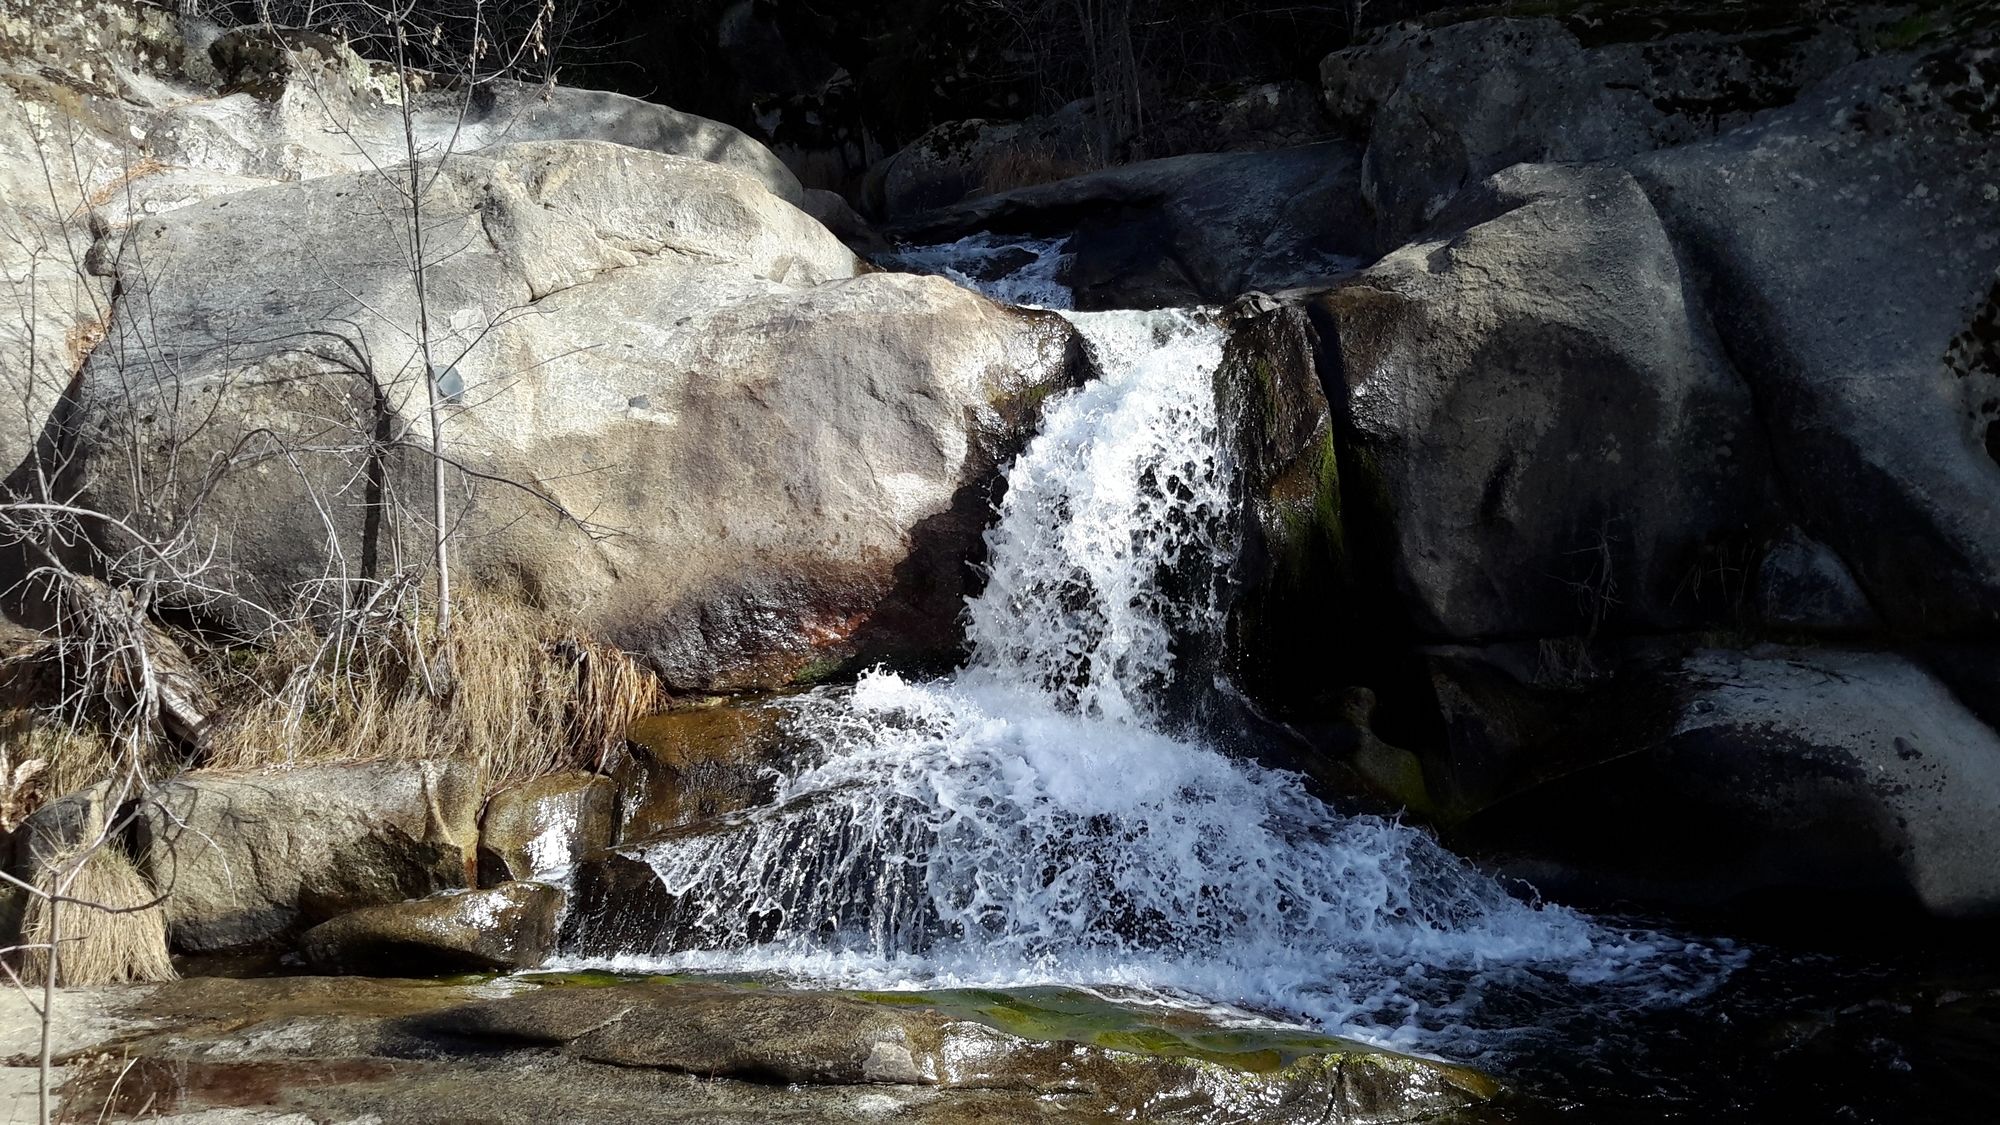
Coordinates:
249	859
507	928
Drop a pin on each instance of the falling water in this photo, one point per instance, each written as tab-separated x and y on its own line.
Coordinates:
1033	818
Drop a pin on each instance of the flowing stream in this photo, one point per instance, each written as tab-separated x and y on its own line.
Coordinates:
1037	818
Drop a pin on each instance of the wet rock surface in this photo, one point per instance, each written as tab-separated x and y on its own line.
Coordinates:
543	826
605	1049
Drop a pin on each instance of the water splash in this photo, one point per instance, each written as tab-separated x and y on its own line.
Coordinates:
1013	270
1036	819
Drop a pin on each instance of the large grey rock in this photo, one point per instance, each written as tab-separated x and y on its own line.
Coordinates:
113	113
783	464
1186	230
1445	107
1848	248
503	929
248	859
1544	416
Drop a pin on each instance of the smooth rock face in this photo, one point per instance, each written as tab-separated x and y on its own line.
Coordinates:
1862	313
681	360
503	929
541	827
249	859
1189	229
1558	441
1775	770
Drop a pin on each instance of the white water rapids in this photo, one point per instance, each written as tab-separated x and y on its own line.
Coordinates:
1033	818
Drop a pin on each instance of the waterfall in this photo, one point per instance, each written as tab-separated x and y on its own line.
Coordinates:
1033	818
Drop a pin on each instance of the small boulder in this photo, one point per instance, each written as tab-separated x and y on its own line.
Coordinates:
1802	584
618	905
541	828
248	859
507	928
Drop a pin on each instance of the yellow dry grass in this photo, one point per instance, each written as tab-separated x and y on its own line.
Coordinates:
97	946
1021	168
508	686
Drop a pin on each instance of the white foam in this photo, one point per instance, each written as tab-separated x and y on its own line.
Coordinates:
988	263
1035	819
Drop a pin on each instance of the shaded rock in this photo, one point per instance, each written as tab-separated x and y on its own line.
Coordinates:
1185	230
247	859
655	345
1802	584
1445	107
966	159
543	826
834	213
1828	773
1290	565
1536	403
963	160
1847	248
45	836
617	905
503	929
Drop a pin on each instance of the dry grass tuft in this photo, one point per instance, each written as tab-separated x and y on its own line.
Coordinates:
42	758
98	947
1019	168
523	694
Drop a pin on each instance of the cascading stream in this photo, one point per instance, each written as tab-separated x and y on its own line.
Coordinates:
1033	819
